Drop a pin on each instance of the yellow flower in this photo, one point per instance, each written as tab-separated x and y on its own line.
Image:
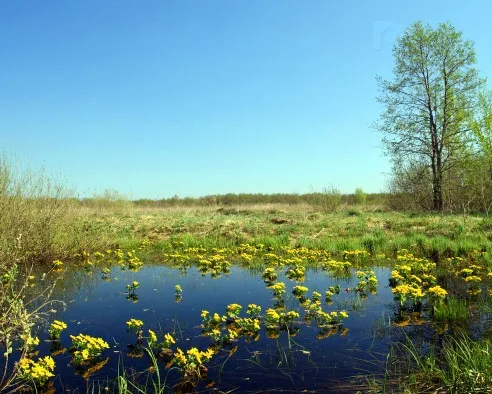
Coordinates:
438	291
134	323
57	263
180	357
473	278
272	313
29	340
152	336
169	338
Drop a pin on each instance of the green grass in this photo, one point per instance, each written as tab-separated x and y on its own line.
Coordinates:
377	232
453	309
464	367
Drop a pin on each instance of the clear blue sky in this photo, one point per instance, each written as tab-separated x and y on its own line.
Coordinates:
196	97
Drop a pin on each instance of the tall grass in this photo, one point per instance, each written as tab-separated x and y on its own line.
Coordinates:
463	366
453	309
35	214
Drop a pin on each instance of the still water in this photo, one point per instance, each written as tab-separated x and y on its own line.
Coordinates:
99	305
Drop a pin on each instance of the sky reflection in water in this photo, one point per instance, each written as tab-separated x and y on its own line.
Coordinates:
100	309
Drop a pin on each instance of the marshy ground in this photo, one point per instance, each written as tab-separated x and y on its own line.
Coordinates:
257	298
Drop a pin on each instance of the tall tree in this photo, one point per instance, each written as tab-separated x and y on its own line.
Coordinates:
481	125
429	102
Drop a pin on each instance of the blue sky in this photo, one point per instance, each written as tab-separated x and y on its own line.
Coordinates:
192	97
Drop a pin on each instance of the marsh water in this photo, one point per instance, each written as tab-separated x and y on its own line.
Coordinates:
305	359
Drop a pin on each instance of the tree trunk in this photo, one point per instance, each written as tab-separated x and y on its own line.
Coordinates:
437	192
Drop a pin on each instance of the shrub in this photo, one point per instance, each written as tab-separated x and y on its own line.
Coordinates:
36	215
360	196
328	200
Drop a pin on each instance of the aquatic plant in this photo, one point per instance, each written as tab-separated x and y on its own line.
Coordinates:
154	343
131	291
368	282
85	348
332	290
133	286
337	268
253	310
56	328
233	310
29	342
296	273
191	363
57	265
134	262
453	309
269	275
135	325
277	319
277	288
299	291
314	310
437	292
37	371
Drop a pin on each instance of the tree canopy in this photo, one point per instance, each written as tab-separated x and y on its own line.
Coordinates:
429	103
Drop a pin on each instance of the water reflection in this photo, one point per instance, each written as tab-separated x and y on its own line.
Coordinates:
297	353
311	327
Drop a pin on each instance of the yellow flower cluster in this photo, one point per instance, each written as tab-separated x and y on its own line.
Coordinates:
38	371
278	288
323	319
57	265
269	274
231	322
272	315
134	324
472	274
253	309
56	328
214	260
166	343
412	291
134	263
438	291
87	347
299	291
29	341
169	340
297	272
274	319
355	255
413	277
233	310
190	362
337	268
473	278
367	282
152	337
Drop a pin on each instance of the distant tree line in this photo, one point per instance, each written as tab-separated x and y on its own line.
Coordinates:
331	197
